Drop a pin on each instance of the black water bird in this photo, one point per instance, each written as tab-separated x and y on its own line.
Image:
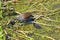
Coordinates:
23	18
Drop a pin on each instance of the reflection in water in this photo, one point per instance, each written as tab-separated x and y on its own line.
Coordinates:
36	25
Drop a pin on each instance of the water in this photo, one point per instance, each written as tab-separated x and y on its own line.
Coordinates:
56	6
